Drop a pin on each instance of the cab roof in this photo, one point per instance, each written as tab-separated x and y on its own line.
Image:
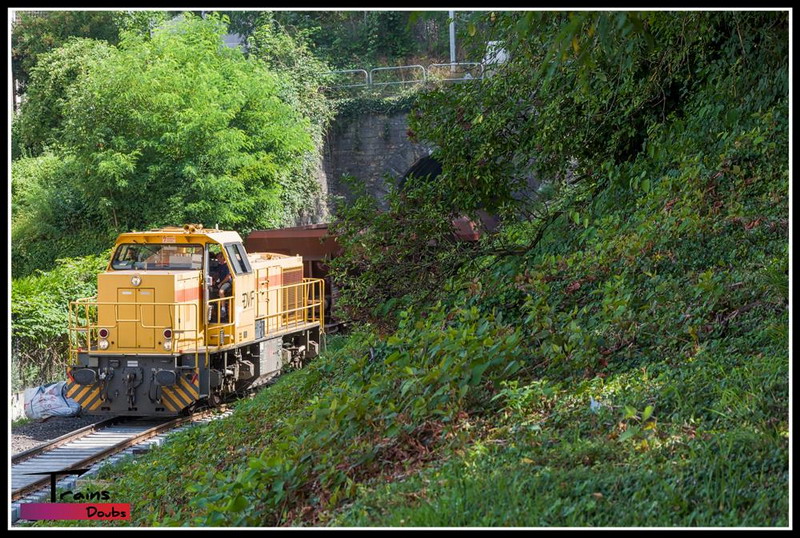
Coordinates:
182	235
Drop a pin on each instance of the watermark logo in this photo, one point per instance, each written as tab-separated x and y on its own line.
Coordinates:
71	510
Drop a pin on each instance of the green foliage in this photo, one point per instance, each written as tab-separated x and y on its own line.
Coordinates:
623	355
52	80
350	108
589	88
358	39
192	124
142	22
585	471
34	34
163	130
50	219
297	69
406	251
39	317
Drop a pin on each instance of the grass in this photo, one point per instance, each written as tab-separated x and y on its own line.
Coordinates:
20	422
710	453
552	461
203	454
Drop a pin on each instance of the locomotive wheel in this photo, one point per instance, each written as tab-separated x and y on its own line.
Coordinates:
189	409
214	400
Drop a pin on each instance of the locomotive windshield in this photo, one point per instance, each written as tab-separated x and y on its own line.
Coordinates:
154	256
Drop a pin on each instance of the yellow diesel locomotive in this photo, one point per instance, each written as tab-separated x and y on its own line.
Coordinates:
184	315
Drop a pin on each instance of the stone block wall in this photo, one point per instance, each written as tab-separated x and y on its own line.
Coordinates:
373	148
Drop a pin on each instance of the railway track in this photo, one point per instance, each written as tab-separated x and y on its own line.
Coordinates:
86	447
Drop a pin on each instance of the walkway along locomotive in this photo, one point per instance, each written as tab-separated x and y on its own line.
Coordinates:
166	330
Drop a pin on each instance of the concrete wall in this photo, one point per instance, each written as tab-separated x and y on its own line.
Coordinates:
372	147
17	405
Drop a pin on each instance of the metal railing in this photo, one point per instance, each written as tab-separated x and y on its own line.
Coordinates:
297	305
302	303
467	70
83	323
348	72
398	69
470	71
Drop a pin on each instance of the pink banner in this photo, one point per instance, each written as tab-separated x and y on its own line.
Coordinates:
52	511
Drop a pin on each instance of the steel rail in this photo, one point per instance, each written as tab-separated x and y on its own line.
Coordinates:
103	453
66	438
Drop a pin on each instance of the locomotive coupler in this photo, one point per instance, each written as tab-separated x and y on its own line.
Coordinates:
105	378
132	378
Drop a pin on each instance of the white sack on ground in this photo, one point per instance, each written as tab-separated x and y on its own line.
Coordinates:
50	401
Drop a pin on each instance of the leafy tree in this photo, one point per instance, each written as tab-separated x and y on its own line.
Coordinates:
626	72
35	33
364	38
583	99
41	117
581	91
162	130
194	125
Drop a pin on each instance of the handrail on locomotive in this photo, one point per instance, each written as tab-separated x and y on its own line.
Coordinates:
312	310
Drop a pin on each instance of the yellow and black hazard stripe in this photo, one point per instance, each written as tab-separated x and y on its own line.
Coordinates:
183	393
88	396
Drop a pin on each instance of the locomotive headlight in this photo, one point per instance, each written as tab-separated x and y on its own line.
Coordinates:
136	280
102	343
167	339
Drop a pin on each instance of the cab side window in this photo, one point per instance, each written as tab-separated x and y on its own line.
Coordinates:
238	258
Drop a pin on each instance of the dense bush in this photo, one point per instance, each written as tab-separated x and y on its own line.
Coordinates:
50	219
41	119
397	256
163	130
39	317
584	91
360	39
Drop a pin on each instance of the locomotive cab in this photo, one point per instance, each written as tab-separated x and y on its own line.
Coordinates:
184	315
